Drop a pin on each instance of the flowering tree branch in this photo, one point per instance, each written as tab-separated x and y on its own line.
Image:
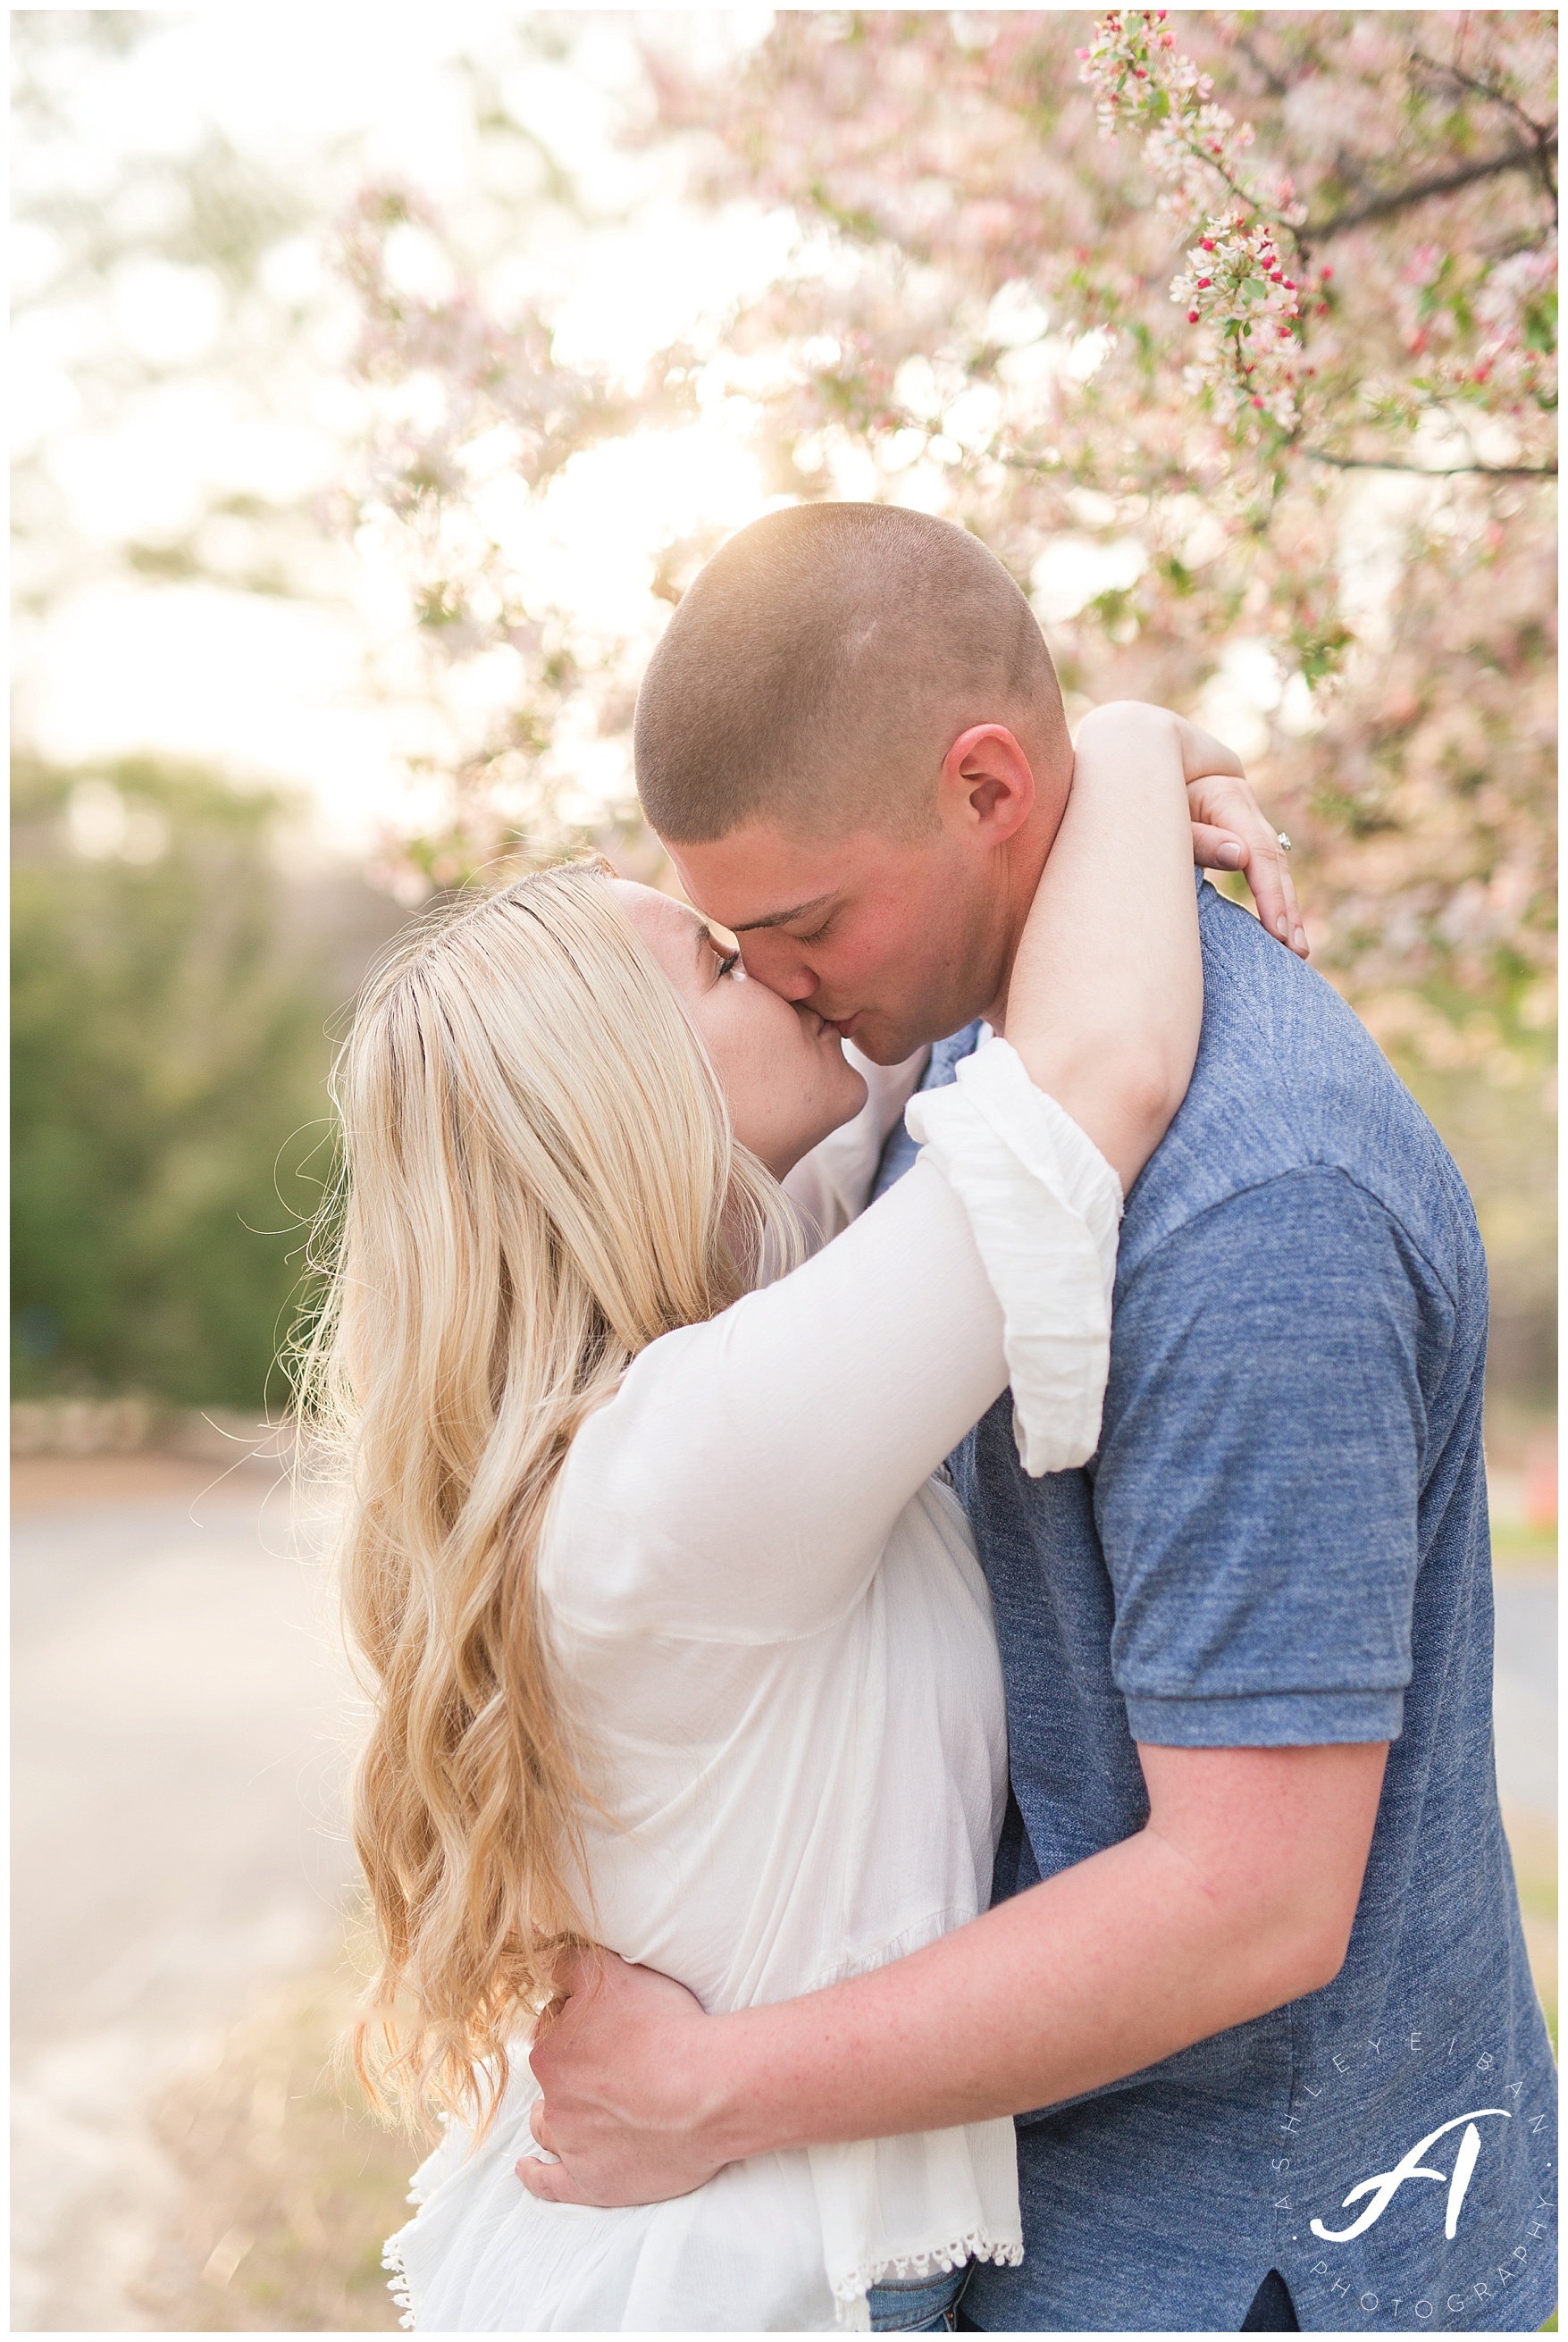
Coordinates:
1543	135
1235	282
1431	471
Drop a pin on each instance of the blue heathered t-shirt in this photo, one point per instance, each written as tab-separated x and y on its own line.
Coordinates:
1281	1541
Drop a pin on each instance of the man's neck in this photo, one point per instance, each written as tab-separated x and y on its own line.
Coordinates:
1026	856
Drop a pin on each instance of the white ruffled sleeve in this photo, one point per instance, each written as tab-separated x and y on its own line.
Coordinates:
1044	1208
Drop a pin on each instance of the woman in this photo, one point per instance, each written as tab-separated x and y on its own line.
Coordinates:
676	1642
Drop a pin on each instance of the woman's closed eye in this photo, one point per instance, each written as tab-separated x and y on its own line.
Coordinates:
725	962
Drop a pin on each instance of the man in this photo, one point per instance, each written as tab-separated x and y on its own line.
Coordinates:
1253	1979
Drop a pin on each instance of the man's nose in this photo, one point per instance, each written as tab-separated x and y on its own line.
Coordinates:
775	962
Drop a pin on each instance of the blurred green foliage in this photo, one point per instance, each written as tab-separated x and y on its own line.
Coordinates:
1503	1137
167	1098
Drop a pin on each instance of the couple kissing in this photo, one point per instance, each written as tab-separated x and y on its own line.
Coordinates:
917	1523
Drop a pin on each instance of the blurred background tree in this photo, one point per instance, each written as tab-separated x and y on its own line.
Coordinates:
168	1002
179	939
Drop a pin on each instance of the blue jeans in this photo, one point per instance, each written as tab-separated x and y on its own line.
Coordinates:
916	2305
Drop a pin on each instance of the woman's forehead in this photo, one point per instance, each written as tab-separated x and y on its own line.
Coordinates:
653	913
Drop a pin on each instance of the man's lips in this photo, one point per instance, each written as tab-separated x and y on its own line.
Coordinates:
843	1025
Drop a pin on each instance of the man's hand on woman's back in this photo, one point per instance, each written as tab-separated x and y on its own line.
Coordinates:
619	2098
1238	1896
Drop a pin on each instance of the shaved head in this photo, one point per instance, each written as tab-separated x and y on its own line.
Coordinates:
817	672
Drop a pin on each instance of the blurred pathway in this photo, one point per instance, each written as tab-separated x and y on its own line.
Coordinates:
175	1843
1525	1697
1524	1708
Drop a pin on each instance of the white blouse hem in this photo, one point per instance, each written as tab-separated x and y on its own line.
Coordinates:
850	2292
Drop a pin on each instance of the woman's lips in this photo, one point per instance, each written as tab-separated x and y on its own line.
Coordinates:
825	1024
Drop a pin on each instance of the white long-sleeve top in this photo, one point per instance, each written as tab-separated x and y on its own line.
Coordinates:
769	1617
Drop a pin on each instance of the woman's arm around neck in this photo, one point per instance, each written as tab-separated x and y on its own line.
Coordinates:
1105	998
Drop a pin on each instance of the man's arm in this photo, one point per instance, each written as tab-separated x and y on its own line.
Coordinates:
1238	1895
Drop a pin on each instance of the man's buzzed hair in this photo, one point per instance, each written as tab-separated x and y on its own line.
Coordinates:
821	667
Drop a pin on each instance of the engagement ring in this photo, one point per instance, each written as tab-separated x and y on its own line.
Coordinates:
1284	841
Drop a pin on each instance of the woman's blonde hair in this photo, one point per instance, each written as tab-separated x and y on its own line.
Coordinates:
539	1179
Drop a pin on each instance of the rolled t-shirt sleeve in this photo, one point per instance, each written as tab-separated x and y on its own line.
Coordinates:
1260	1461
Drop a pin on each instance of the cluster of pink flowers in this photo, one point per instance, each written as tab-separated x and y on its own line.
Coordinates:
1235	283
1143	80
1243	281
1489	345
1516	311
1136	69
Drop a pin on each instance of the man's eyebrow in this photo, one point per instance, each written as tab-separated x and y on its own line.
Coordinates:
780	918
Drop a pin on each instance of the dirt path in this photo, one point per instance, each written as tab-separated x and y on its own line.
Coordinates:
176	1840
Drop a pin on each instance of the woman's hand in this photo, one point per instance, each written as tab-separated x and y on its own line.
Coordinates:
1230	829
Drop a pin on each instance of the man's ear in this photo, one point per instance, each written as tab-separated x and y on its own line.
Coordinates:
986	790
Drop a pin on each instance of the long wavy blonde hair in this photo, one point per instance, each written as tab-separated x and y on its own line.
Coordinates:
539	1179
